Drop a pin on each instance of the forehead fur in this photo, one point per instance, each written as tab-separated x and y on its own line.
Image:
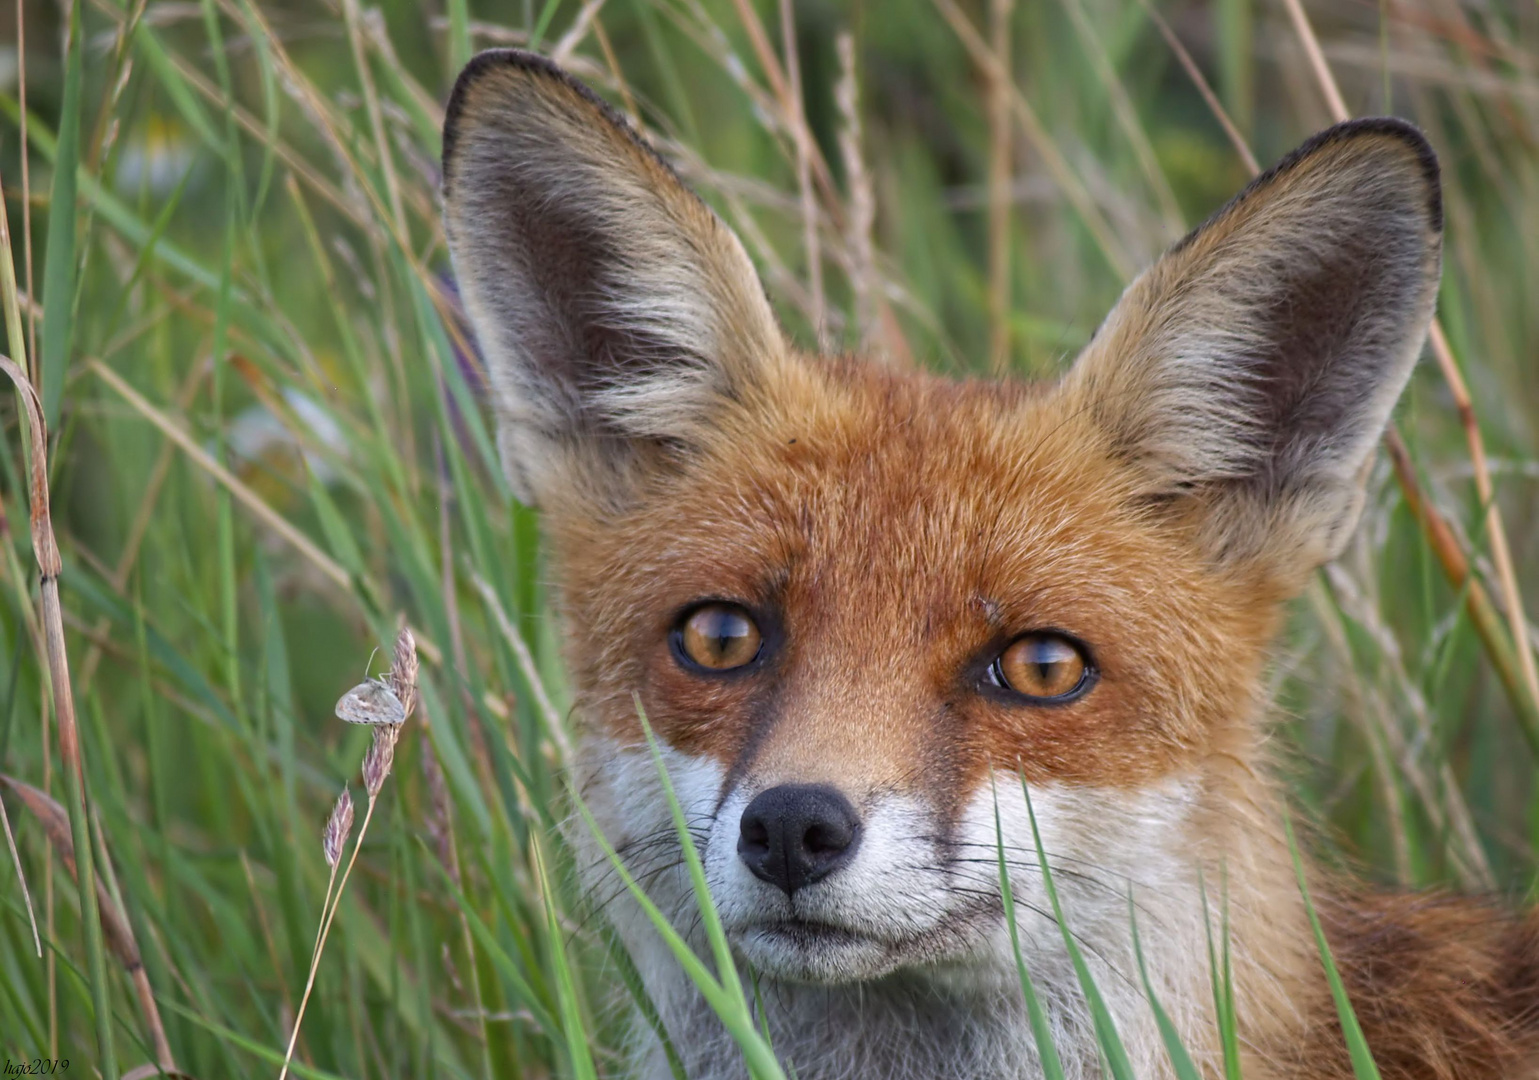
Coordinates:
892	529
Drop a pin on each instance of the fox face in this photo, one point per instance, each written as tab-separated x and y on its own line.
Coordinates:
866	611
871	596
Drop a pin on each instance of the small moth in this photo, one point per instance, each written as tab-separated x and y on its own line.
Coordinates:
371	702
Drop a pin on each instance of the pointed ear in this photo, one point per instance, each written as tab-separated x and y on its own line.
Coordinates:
615	311
1247	376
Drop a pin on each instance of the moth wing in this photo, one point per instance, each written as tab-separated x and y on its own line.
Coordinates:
371	702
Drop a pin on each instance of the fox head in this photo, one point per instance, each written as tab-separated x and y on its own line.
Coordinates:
858	605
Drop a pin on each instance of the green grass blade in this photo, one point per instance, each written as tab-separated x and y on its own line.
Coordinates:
730	1007
726	967
506	967
1363	1066
1105	1028
572	1026
459	36
1180	1060
1222	975
633	983
1041	1032
542	24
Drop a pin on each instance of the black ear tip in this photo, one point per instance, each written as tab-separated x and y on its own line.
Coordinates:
545	74
483	63
1384	127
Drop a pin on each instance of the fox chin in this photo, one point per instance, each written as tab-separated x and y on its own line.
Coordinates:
900	638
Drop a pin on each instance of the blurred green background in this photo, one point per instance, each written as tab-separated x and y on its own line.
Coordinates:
268	449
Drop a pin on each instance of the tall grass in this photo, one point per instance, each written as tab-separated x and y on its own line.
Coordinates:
268	446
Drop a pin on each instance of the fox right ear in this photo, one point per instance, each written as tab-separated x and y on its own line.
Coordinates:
615	311
1247	376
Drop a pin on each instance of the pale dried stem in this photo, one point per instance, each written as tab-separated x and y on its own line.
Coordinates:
1483	614
526	664
1001	169
26	171
328	125
576	32
257	129
21	875
1193	72
863	278
1443	802
125	944
45	550
1323	77
116	82
792	118
328	566
1501	553
1037	135
1127	118
15	334
613	62
139	527
328	911
352	19
795	107
114	923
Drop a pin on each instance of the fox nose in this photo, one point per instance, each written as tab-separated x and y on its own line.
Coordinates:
795	834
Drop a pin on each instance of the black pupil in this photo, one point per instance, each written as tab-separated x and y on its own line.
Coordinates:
1049	656
723	629
1048	653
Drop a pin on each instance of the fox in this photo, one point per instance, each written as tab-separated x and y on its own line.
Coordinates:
884	624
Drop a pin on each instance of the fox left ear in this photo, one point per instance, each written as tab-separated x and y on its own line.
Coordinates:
615	311
1247	376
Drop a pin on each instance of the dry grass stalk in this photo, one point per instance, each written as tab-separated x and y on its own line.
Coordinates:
1037	135
1456	567
140	526
1126	115
26	893
579	30
338	828
402	680
1001	171
793	121
45	550
243	494
526	664
1440	797
13	323
862	199
1193	72
26	172
794	104
1501	553
119	932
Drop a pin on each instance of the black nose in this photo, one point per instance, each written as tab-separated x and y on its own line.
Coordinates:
795	834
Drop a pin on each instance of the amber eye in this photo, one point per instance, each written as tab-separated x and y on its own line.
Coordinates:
719	637
1042	665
